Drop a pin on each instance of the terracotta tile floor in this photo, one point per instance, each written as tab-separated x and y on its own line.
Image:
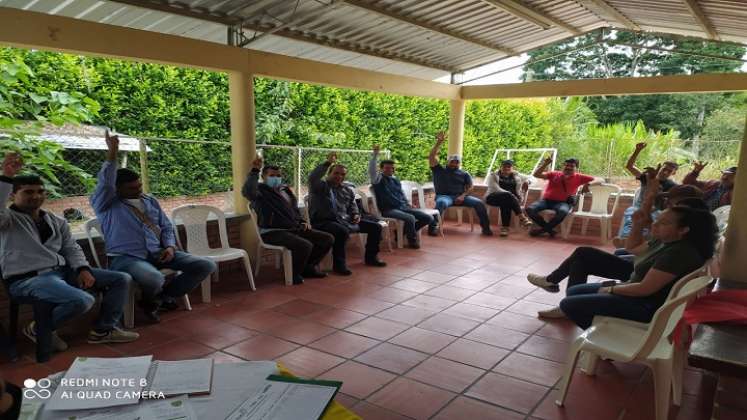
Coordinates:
445	332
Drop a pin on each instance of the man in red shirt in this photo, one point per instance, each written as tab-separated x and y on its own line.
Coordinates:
559	194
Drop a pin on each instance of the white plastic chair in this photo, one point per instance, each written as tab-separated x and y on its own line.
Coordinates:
386	222
281	253
195	219
722	218
600	195
407	188
617	339
361	236
93	225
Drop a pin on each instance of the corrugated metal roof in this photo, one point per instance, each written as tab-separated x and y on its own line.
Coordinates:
422	38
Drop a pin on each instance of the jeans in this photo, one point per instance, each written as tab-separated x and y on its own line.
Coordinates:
151	281
60	288
307	247
414	220
586	261
342	232
445	201
583	303
561	209
507	202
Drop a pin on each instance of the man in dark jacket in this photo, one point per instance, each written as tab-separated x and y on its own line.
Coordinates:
718	192
333	209
280	223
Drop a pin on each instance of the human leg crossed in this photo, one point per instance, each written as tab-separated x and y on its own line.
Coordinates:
534	210
586	261
584	302
194	270
561	211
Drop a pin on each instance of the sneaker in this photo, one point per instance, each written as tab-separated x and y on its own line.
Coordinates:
150	310
525	221
555	312
504	231
58	344
541	281
114	336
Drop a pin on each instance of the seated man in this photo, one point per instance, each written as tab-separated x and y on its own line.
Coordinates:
140	239
280	223
392	201
559	195
717	192
453	186
506	190
39	258
668	170
332	208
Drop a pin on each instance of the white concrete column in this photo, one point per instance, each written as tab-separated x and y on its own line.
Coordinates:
733	272
456	126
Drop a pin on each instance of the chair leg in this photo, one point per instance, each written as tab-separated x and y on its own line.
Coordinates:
258	261
589	365
570	366
129	310
471	220
326	263
662	370
401	235
584	226
187	304
460	215
679	361
248	268
603	226
566	225
287	258
205	285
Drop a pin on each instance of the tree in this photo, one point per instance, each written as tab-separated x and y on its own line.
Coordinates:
614	53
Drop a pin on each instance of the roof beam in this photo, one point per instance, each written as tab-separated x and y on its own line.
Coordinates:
182	9
701	18
697	83
521	11
428	26
614	13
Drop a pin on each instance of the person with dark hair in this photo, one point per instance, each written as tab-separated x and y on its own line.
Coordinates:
332	209
684	238
39	258
392	202
718	192
668	170
140	239
10	400
506	190
281	223
453	187
559	195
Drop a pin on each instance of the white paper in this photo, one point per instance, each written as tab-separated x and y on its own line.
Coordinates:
285	401
182	377
178	408
93	382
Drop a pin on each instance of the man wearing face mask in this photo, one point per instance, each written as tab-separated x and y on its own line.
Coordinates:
453	186
333	209
280	223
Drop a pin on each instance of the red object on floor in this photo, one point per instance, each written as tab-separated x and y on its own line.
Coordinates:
727	306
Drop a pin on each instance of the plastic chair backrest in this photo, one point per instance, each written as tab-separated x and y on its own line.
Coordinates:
194	218
600	197
701	271
254	225
360	195
668	315
722	218
407	189
89	227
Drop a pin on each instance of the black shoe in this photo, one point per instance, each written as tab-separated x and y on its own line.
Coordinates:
432	231
487	232
413	245
537	232
297	279
343	271
150	310
552	234
313	273
168	303
375	262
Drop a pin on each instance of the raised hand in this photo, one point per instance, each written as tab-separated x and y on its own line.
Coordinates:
440	137
12	164
332	157
112	145
698	165
640	146
546	162
641	218
257	163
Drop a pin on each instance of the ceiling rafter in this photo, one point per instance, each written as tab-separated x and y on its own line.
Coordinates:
612	12
697	12
428	26
182	9
522	11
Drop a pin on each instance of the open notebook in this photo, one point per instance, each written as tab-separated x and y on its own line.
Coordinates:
192	377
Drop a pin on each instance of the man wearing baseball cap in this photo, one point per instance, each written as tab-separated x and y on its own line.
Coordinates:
453	186
717	192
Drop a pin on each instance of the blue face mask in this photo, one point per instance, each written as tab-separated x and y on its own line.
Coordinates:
274	181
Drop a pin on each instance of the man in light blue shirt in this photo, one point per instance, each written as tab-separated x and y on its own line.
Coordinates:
140	239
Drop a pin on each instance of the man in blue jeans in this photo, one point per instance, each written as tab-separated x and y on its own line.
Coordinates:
392	202
140	239
39	258
453	186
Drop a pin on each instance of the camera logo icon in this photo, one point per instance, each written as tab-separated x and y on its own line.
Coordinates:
37	389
